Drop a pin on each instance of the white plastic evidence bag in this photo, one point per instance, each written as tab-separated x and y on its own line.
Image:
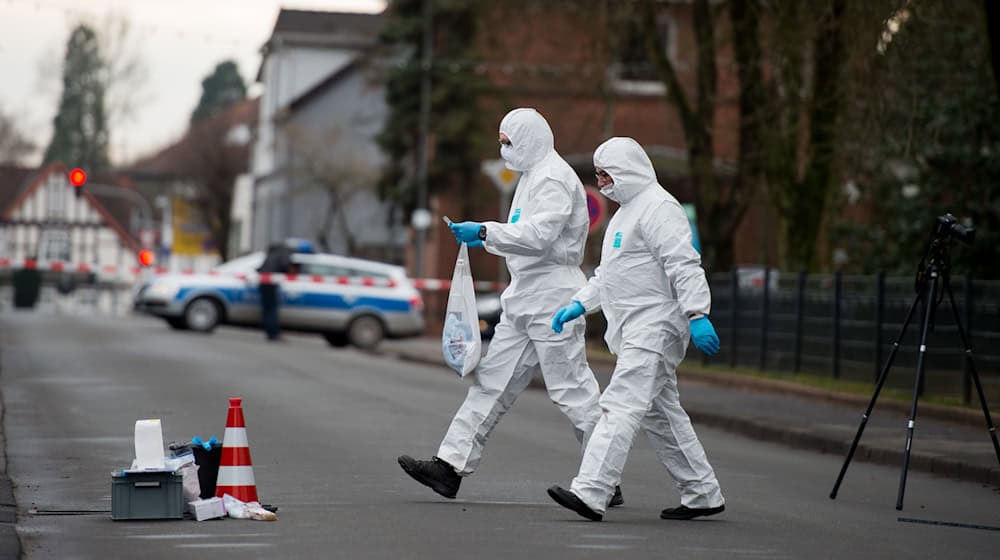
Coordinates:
461	341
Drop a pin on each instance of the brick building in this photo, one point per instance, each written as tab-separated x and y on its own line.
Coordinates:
554	56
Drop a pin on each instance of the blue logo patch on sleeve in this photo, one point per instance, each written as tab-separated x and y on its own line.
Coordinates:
516	216
618	240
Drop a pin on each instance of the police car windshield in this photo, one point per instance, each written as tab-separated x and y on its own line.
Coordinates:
244	264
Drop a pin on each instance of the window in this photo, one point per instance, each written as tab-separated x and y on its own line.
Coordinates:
369	274
242	265
633	71
54	245
55	200
313	269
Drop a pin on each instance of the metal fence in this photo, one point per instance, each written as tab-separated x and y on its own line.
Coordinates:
844	326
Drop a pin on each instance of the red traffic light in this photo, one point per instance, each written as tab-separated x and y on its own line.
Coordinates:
77	177
146	257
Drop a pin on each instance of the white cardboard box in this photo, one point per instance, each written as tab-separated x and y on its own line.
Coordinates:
209	508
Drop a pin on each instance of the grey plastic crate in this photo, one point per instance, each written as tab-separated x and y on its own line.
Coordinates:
150	495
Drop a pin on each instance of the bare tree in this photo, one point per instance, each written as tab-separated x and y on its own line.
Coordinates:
721	206
123	74
14	145
331	163
212	157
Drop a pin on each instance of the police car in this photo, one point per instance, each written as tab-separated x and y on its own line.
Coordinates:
347	300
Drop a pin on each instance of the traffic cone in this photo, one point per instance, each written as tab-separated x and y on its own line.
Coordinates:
235	468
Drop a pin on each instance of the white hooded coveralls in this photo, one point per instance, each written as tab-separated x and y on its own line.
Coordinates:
543	242
649	282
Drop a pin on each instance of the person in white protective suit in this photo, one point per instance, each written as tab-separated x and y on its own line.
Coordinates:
543	242
654	294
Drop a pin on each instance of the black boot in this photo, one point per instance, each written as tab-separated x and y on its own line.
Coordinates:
569	500
436	474
684	512
617	499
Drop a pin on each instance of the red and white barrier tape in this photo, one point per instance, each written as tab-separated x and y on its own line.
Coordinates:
429	284
60	266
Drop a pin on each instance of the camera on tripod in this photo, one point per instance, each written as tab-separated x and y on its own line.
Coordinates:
947	226
932	285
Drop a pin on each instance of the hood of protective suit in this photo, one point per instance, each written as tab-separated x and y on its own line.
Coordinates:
629	167
530	138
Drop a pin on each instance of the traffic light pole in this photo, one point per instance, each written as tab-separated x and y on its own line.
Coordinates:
128	194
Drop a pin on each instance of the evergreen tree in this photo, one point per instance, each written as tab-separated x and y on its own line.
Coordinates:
81	135
455	132
223	87
927	126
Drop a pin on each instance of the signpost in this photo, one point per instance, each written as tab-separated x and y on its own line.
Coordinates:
505	181
597	208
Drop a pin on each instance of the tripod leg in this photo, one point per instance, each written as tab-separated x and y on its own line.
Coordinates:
922	354
878	389
975	375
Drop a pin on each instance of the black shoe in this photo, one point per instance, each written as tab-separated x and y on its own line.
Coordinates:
436	474
569	500
684	512
617	499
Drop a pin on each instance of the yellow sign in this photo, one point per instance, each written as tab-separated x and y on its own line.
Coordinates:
190	235
504	179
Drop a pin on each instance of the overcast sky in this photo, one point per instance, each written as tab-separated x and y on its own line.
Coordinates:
179	41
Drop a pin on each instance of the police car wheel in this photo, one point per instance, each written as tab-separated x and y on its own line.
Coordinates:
202	315
177	323
366	332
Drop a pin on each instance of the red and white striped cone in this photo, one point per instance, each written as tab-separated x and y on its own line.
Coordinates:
235	468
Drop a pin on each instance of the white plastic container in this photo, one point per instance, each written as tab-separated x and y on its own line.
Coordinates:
209	508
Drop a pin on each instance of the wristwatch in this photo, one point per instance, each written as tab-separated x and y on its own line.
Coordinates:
482	233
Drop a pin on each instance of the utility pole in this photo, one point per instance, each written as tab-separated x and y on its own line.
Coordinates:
423	222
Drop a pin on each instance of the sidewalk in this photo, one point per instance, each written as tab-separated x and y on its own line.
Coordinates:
948	442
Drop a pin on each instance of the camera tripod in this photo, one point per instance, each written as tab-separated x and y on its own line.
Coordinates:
932	284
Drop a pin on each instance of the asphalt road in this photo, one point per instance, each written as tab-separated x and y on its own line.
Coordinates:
325	428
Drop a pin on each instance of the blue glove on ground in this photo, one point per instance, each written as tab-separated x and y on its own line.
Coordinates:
466	232
566	314
704	336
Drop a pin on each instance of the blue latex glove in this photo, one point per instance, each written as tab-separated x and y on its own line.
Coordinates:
704	336
206	444
466	232
567	314
476	243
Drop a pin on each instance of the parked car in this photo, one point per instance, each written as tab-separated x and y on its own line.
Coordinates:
347	300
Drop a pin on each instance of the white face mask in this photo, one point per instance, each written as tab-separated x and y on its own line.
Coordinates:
507	153
609	191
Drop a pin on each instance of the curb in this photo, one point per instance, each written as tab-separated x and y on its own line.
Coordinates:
812	441
10	541
938	412
806	439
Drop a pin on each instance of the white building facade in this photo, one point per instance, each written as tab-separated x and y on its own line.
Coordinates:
321	106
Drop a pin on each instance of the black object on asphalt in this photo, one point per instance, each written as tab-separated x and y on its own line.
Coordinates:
436	474
27	285
208	461
947	523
